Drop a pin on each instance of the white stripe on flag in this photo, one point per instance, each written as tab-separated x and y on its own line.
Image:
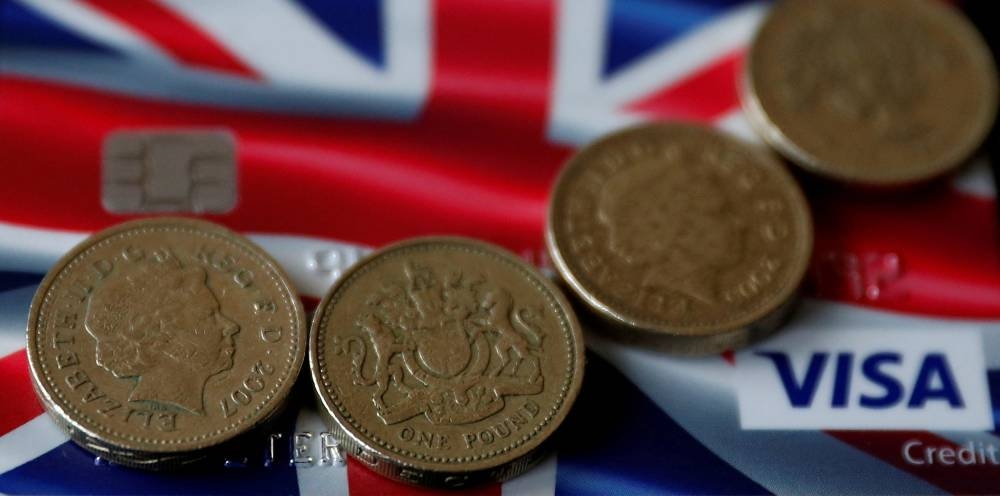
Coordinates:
539	481
977	179
14	306
32	249
95	25
31	440
736	123
299	52
584	106
719	37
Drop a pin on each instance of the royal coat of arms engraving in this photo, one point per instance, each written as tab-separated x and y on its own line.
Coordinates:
446	344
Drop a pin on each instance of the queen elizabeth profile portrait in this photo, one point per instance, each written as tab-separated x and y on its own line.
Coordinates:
161	325
672	227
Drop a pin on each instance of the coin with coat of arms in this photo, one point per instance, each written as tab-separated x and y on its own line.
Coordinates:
445	361
155	340
679	230
886	92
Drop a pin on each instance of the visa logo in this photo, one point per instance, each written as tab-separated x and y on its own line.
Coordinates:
865	379
934	380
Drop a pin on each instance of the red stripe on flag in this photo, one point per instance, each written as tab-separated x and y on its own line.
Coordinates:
492	68
309	303
730	357
363	482
705	95
176	35
955	479
20	402
932	251
357	180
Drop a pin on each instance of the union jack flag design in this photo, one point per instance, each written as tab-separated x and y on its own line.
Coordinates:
362	123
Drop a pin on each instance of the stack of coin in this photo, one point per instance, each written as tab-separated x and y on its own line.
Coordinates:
156	340
679	237
876	93
445	362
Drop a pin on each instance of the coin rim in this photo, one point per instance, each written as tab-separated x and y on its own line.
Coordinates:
957	155
76	429
693	346
802	212
396	462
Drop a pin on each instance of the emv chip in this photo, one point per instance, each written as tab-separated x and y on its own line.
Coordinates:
169	171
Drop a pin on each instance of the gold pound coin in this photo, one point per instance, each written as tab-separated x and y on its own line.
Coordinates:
679	231
445	362
873	92
155	340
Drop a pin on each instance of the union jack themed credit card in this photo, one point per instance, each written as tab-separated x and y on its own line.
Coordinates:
323	130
